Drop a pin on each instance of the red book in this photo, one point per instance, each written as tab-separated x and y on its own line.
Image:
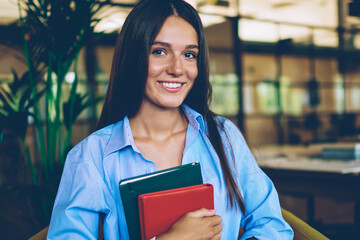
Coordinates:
160	210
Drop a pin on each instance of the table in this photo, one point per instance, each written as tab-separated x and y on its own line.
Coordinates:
296	172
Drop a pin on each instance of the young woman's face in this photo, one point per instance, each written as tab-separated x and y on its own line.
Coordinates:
172	64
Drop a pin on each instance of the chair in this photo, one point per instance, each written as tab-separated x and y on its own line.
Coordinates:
40	235
302	231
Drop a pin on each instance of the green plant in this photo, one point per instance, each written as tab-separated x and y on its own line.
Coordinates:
54	33
16	101
76	104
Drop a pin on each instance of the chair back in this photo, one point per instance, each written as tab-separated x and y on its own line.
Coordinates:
302	230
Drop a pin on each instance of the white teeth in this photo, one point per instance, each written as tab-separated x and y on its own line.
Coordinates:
171	85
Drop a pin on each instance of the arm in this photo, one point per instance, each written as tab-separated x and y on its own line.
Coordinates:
263	219
80	198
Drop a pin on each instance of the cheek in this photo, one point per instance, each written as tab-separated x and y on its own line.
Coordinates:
156	67
152	71
193	72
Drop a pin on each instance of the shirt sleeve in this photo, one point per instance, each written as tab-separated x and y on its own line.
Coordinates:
80	198
263	218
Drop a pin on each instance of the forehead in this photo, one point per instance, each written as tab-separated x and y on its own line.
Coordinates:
177	30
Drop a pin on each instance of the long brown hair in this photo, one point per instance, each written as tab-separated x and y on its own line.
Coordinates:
129	72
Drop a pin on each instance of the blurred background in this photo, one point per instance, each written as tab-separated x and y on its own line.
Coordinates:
287	72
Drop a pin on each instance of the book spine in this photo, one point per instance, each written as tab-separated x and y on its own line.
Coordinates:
142	227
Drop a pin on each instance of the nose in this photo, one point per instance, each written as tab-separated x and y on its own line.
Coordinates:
175	67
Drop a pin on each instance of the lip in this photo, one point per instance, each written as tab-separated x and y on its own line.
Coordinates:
171	89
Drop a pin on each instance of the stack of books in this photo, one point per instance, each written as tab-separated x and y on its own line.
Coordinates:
153	202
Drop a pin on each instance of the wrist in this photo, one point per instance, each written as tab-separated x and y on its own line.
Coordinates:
165	236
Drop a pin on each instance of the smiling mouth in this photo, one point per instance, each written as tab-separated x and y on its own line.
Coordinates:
171	85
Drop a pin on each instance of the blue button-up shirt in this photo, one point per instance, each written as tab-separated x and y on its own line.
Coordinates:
89	185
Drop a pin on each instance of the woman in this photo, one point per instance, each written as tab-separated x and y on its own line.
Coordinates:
155	116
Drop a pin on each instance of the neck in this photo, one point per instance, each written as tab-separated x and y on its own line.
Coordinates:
157	123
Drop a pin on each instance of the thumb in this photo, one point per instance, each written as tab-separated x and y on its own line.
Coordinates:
203	212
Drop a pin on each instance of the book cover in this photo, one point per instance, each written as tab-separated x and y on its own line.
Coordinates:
158	211
131	188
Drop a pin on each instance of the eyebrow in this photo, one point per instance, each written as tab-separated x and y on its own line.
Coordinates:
191	46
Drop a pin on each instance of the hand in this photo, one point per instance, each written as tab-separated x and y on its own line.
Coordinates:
202	224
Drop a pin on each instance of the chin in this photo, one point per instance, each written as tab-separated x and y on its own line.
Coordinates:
171	105
163	103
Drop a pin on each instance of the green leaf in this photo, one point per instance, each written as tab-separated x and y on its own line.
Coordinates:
80	104
7	99
3	113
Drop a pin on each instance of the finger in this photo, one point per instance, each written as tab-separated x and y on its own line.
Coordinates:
218	228
203	212
215	220
217	237
216	232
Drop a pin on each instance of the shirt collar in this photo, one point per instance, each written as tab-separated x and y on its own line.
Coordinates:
195	119
121	135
